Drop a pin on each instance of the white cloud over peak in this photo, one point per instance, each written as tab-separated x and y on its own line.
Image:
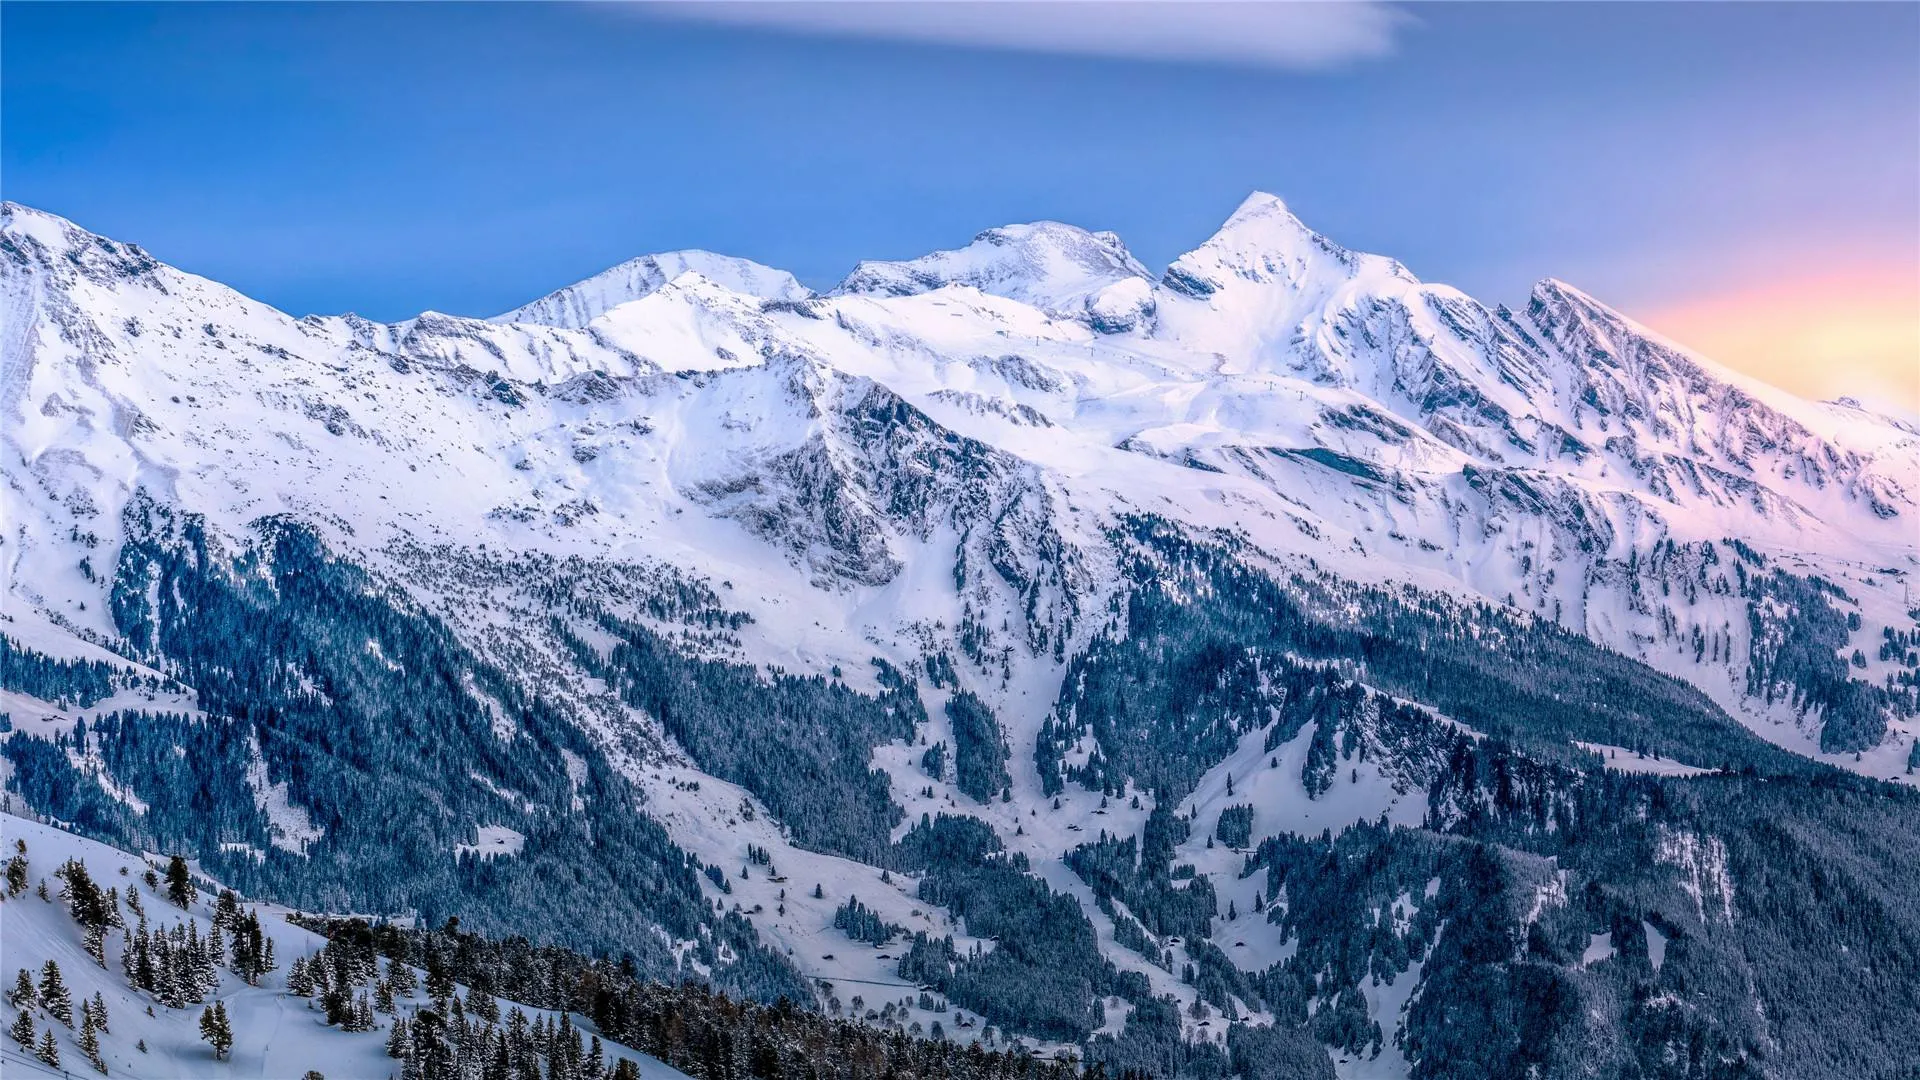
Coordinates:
1293	35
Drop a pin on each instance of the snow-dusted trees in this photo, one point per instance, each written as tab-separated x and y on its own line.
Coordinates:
23	995
180	888
690	1027
80	682
89	1041
95	910
862	923
252	949
178	967
979	749
54	996
17	870
216	1030
1235	827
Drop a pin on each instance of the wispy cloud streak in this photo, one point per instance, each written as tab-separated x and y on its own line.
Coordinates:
1289	35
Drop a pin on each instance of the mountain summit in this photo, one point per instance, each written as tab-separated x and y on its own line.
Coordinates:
582	302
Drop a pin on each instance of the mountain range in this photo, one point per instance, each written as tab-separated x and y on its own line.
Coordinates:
1272	666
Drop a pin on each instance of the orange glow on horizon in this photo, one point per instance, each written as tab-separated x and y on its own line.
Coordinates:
1856	333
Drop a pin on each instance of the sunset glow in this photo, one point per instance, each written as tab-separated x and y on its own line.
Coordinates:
1852	333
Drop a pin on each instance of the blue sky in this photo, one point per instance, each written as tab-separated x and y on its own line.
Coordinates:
392	158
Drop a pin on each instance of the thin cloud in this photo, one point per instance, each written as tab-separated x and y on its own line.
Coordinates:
1292	35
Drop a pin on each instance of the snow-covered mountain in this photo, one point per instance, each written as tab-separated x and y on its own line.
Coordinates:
955	486
582	302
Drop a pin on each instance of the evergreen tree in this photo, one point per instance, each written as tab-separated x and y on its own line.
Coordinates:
226	911
85	902
215	1029
90	1044
17	875
337	1000
53	994
23	995
401	976
143	972
94	940
439	979
299	981
180	888
49	1051
398	1041
22	1030
169	976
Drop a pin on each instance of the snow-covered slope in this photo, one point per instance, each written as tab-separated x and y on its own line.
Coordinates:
1062	270
953	460
276	1035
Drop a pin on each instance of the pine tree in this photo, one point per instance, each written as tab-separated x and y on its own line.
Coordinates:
100	1012
90	1044
563	1051
49	1050
439	979
180	888
226	911
23	995
200	976
215	1029
143	973
481	1004
299	982
337	1000
401	976
53	994
17	875
22	1030
397	1038
169	979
